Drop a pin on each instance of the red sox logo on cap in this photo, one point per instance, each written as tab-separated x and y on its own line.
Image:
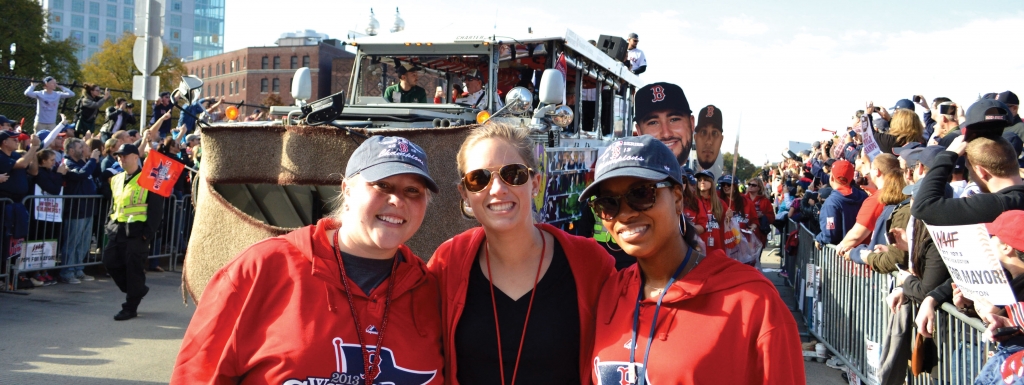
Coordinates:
711	111
659	93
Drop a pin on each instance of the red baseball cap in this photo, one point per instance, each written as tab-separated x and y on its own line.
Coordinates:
1008	228
842	172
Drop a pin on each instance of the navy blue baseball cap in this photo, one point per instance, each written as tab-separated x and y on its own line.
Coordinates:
909	146
4	135
903	103
659	97
987	114
1008	97
725	179
4	120
924	155
705	173
638	156
381	157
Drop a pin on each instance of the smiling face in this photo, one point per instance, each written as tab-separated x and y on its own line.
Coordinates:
672	128
499	207
709	143
644	234
381	215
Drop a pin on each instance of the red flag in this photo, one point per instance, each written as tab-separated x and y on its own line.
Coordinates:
160	173
562	67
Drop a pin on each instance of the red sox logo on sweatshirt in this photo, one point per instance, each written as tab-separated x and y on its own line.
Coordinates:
617	372
349	368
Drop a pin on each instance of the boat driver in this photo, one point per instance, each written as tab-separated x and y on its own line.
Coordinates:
476	95
406	91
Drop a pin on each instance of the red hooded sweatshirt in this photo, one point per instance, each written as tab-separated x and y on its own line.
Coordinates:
278	314
722	323
590	264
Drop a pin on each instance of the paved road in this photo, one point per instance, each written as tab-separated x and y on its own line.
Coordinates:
66	334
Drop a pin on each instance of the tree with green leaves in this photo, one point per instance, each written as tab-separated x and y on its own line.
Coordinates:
113	66
744	168
22	22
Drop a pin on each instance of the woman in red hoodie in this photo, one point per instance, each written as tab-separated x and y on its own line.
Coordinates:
341	302
678	316
519	296
758	195
712	236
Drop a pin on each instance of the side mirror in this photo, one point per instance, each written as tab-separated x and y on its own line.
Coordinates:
561	116
518	100
302	86
552	87
190	88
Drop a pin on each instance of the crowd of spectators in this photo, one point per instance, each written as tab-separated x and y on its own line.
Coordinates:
76	158
873	190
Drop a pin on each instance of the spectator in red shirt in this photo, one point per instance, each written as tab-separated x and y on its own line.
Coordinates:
758	195
872	207
735	204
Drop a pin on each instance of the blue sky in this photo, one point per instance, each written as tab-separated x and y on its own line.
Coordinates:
789	68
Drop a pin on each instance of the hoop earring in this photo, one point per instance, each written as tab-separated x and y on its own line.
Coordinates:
609	246
682	226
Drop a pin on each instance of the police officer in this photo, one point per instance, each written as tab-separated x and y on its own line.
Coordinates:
135	214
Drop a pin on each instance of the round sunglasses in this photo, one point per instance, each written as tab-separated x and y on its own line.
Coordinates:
640	198
515	174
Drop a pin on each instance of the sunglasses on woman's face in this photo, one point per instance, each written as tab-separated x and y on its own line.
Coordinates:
640	198
512	174
753	185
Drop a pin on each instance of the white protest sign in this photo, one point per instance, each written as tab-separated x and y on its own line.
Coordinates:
38	255
870	146
47	209
872	353
971	260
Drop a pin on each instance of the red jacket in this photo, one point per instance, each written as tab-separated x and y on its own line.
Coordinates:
713	236
722	323
590	264
278	314
763	206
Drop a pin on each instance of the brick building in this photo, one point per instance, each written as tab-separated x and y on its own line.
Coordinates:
251	75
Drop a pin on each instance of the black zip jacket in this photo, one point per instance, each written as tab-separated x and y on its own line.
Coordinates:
932	207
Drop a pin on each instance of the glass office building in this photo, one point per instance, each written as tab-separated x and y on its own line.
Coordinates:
208	31
193	29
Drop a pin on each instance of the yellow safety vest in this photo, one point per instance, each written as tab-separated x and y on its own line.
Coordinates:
129	200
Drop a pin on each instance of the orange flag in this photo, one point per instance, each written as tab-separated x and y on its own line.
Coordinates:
160	173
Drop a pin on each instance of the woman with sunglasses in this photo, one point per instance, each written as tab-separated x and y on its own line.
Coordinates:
678	316
519	296
341	302
712	208
758	196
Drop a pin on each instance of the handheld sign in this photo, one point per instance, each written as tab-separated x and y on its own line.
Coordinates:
971	260
870	146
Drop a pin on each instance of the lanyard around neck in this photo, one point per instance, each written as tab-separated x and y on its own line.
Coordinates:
639	376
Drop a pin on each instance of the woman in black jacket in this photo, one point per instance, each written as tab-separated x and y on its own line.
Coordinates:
88	107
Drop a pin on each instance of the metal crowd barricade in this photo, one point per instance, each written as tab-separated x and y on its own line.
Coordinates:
6	278
843	304
50	230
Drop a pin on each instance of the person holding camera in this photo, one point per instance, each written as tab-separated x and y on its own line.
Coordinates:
88	107
119	117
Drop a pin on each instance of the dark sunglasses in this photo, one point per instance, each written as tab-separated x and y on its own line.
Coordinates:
512	174
639	198
753	185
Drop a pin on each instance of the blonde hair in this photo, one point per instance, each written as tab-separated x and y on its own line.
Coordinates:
906	127
514	136
762	191
995	155
892	176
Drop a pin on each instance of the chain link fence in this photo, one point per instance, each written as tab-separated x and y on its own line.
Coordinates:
22	109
